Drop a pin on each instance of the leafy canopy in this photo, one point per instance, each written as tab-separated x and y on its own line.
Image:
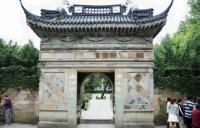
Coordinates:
18	66
177	57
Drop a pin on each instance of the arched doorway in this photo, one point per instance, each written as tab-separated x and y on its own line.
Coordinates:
95	97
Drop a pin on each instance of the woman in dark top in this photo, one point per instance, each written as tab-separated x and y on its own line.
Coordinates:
7	106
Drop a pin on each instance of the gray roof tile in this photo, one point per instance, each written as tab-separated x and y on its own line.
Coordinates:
137	20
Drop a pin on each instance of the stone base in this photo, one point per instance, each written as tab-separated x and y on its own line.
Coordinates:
44	124
138	125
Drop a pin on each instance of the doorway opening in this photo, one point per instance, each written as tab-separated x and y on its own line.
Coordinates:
95	98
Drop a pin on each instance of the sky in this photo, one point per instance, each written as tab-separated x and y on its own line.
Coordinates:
13	22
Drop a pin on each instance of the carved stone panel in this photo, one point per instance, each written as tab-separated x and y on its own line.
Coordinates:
53	91
138	91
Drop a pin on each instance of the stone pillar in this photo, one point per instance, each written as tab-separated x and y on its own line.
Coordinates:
52	99
119	102
72	99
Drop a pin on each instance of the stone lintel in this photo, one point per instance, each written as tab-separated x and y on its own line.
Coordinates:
96	56
102	60
97	65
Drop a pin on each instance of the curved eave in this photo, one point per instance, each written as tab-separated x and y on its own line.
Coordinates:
147	29
150	26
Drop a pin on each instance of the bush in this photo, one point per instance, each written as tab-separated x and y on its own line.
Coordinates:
84	100
161	117
18	66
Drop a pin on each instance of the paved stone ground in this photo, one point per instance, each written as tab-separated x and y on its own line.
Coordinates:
99	109
13	125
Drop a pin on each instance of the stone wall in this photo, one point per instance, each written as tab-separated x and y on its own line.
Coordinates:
25	106
162	95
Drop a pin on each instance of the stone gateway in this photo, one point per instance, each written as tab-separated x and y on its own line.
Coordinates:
84	39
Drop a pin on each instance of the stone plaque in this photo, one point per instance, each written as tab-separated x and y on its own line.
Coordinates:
137	91
53	91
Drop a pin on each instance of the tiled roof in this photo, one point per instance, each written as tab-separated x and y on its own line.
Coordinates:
138	22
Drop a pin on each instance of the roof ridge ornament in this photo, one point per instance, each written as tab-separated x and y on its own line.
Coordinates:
129	6
66	7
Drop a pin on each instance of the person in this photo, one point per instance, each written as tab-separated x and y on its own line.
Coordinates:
7	107
196	115
181	113
173	113
168	102
195	101
188	106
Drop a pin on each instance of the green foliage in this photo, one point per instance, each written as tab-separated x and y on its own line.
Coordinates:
84	100
93	81
161	117
18	66
108	91
177	57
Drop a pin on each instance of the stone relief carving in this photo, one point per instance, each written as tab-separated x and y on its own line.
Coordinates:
95	37
150	40
44	40
53	91
68	38
123	37
138	95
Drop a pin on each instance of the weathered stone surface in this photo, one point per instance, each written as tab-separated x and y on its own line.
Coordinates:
138	116
72	98
53	116
95	55
53	85
138	91
131	61
139	125
24	106
107	41
52	124
119	109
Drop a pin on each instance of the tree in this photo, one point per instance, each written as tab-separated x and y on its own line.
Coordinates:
94	80
177	57
18	66
106	83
